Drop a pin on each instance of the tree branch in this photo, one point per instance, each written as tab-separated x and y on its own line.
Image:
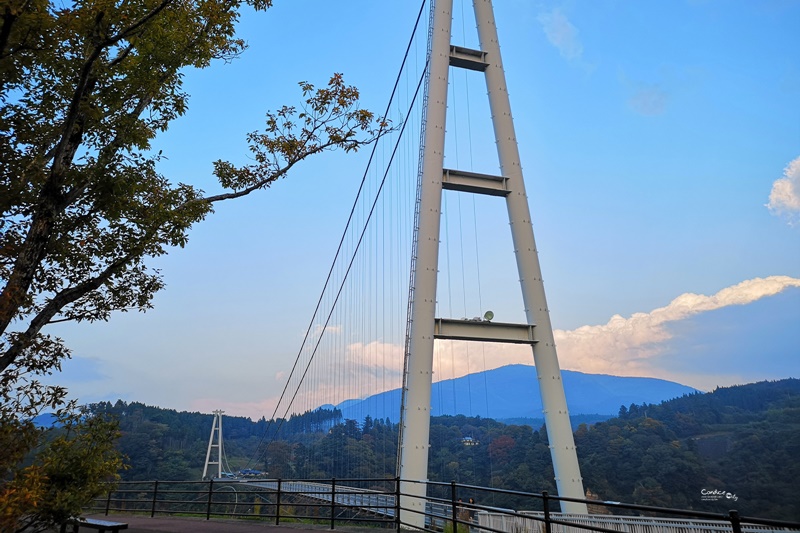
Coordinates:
265	181
52	198
63	298
259	185
9	19
82	316
130	30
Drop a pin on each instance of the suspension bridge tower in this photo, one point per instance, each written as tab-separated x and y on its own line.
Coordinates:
424	326
215	445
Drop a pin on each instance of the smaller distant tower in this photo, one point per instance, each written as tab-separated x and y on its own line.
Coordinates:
216	430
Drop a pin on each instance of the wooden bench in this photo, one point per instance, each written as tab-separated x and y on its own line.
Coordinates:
90	523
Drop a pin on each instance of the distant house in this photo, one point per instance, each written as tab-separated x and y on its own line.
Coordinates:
469	441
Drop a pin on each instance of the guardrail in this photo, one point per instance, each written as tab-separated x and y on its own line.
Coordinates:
449	507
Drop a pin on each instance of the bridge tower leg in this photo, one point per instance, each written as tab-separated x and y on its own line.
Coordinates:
214	444
425	327
418	374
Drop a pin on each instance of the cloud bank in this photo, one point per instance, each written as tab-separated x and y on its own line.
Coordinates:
628	346
784	199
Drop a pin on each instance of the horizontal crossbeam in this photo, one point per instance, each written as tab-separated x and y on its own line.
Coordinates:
458	180
483	330
468	58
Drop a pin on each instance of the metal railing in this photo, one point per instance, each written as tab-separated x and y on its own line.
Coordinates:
278	500
449	507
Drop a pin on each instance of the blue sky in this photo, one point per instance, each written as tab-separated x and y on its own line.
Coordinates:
660	144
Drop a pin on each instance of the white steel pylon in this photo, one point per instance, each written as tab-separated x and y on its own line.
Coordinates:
424	326
216	431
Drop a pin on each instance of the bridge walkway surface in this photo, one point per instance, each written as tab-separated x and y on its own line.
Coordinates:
145	524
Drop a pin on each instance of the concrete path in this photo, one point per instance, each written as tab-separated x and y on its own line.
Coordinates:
145	524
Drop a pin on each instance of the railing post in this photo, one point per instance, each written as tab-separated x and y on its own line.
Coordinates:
108	501
733	515
546	504
155	495
397	503
210	493
453	502
278	505
333	503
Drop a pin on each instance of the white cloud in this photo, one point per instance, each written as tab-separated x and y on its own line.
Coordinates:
623	346
562	34
626	346
784	199
453	359
319	330
343	372
375	357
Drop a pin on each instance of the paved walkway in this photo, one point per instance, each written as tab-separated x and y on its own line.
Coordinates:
145	524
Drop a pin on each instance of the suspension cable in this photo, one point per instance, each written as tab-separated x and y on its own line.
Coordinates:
349	266
341	241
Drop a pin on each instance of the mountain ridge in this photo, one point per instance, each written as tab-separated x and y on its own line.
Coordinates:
512	391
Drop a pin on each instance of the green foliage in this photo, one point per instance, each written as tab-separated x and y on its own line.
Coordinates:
85	88
77	466
740	439
74	466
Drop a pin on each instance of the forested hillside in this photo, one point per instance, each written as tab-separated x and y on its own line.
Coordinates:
743	441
